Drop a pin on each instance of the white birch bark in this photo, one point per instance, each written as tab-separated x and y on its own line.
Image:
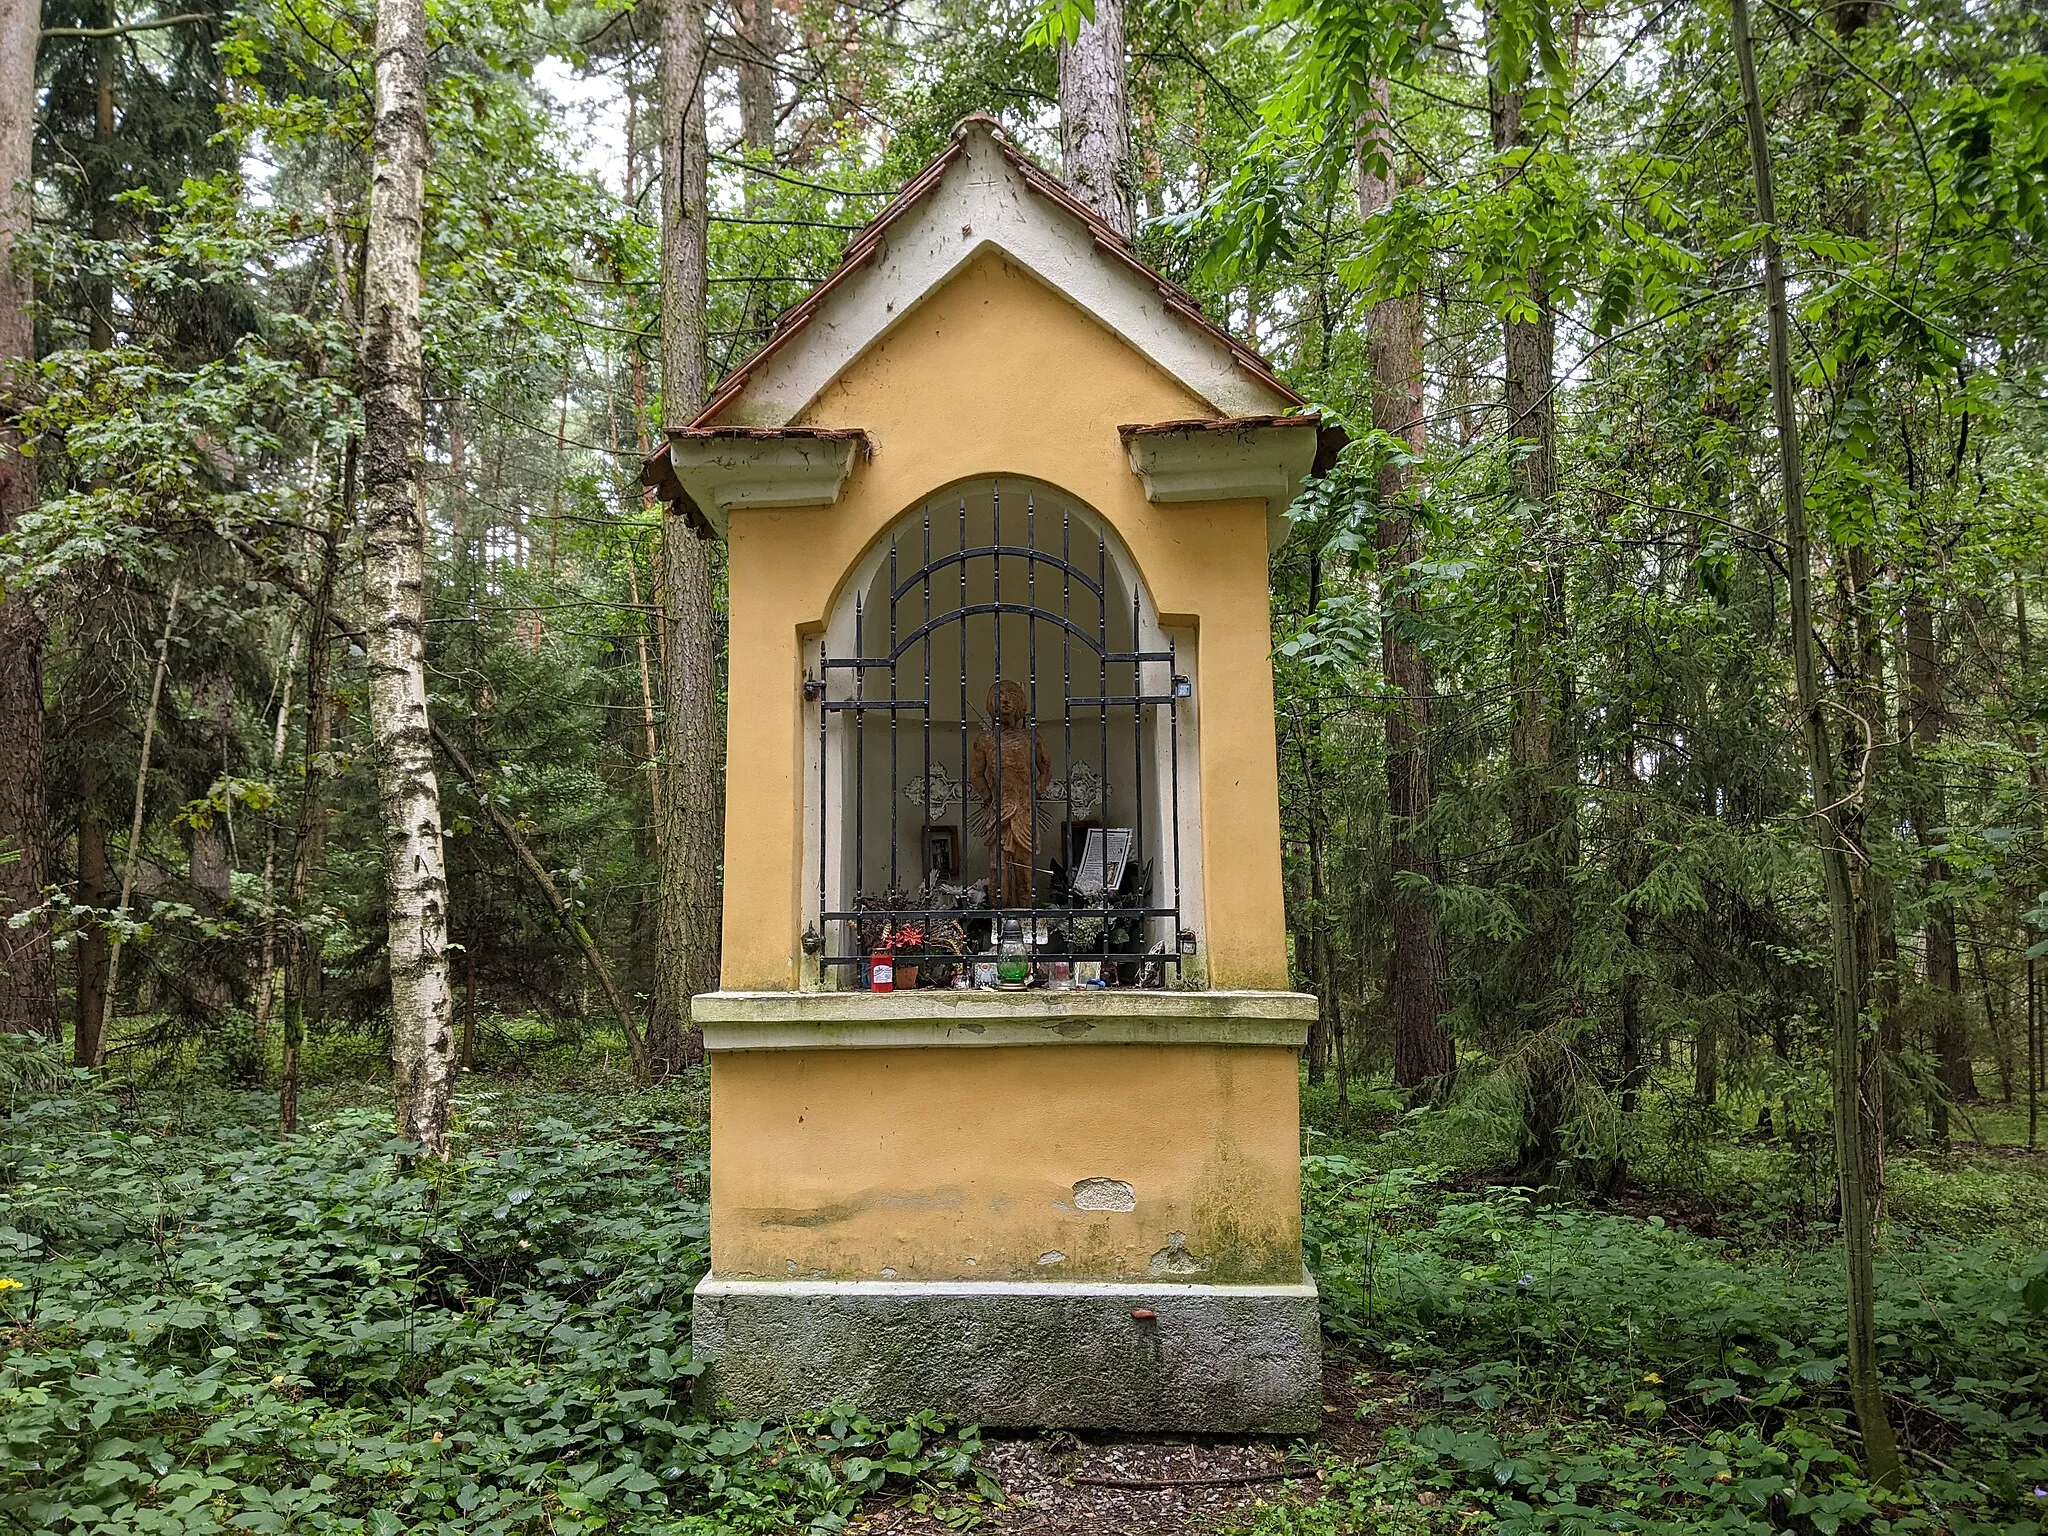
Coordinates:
686	934
394	567
1095	119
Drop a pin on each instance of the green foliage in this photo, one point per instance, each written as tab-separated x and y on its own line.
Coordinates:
213	1330
1567	1369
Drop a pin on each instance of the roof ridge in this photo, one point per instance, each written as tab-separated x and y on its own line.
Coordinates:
868	241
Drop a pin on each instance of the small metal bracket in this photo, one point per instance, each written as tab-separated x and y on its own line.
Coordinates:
1183	688
814	690
1187	941
813	941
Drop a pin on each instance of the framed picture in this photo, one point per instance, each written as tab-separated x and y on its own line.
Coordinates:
1074	839
1104	856
942	853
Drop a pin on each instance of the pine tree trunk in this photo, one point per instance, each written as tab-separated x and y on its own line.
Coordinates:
760	46
1846	994
394	593
1539	747
28	972
1529	348
1095	119
686	937
1423	1051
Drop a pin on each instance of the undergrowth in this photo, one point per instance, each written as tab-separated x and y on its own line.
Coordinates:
1536	1365
211	1329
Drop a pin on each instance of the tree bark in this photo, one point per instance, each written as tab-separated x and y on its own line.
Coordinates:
1864	755
1423	1050
394	595
760	46
1529	347
1539	748
210	864
1944	976
686	939
96	888
1095	119
1861	753
1880	1446
101	325
28	972
266	965
1331	1000
301	959
156	693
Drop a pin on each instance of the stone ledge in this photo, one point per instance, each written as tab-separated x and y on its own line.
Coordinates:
772	1021
1214	1358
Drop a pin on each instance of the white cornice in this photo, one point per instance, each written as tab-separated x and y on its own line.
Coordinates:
722	471
1221	461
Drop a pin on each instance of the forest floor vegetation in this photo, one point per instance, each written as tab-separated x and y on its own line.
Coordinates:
210	1329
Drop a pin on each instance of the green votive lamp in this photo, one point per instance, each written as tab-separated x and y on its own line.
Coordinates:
1013	957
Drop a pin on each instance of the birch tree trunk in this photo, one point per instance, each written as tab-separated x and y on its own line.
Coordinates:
1415	963
686	932
1880	1446
394	600
28	976
1095	119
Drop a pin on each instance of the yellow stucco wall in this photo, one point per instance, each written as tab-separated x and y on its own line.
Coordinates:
818	1171
995	374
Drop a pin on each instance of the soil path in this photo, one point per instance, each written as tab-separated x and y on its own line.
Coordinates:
1060	1484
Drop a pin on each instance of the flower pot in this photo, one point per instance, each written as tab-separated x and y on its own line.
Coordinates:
906	975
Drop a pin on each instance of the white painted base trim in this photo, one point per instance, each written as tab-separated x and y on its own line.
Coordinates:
1124	1292
790	1021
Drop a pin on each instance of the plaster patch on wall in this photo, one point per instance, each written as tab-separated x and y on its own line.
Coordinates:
888	1273
1104	1195
1174	1258
1053	1256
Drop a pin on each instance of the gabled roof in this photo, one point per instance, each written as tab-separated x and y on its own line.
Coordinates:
982	191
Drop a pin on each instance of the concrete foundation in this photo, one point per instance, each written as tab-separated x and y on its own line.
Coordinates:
1213	1358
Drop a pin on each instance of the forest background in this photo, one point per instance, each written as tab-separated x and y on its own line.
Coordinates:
1549	796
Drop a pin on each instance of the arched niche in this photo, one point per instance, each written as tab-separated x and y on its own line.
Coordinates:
1002	577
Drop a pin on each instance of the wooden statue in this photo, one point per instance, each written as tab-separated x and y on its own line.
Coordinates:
1009	770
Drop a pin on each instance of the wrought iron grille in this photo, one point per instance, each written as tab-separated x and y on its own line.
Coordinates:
924	836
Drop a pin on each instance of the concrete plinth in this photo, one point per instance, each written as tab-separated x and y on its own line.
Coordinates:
1216	1358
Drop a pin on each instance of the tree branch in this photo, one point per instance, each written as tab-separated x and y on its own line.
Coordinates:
130	26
